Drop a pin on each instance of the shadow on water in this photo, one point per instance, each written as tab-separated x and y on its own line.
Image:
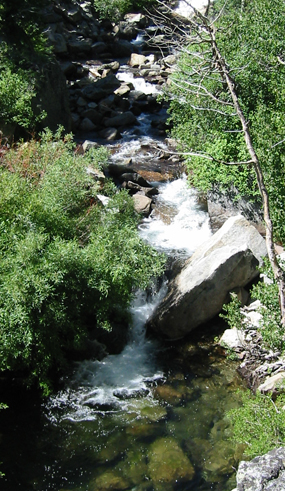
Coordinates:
124	443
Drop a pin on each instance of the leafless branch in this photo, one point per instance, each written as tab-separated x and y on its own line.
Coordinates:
210	157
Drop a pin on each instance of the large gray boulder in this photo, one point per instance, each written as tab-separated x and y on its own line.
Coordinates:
265	473
227	261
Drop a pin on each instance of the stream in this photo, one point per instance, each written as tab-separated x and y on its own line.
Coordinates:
150	418
153	417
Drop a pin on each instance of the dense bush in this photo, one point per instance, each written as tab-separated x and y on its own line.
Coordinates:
23	48
250	39
64	259
259	424
114	10
17	89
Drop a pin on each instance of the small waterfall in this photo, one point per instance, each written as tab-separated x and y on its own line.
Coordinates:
177	227
178	224
139	83
109	384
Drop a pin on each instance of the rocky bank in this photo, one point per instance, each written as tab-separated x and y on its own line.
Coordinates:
82	91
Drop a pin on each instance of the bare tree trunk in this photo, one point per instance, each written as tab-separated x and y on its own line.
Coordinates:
277	270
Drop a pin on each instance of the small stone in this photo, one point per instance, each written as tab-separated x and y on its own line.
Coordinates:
232	338
273	384
142	204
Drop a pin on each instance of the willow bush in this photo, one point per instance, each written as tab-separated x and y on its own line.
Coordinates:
64	258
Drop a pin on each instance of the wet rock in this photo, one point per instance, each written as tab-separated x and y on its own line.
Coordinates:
75	120
99	48
124	394
109	480
97	174
168	394
134	466
265	473
125	30
123	90
139	19
124	119
169	60
143	430
103	199
135	178
87	144
168	465
101	88
87	125
137	60
122	48
136	188
69	69
222	205
219	460
93	115
226	261
110	134
79	44
153	413
58	43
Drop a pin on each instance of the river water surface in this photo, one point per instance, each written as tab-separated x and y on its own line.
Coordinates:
151	418
148	419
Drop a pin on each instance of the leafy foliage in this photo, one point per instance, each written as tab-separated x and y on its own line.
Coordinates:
259	423
116	9
267	293
65	261
232	313
20	25
250	38
17	89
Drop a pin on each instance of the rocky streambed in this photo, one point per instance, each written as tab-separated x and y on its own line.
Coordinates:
152	417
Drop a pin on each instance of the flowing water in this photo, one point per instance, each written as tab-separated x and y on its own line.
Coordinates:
148	419
153	417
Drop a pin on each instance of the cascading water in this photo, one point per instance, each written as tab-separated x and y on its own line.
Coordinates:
112	382
151	418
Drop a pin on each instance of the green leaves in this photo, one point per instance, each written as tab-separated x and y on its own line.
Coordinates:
66	262
259	424
250	38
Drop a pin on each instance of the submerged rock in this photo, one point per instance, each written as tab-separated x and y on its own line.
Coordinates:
109	481
168	465
228	260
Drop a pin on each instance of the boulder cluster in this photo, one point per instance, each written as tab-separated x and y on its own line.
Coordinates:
91	52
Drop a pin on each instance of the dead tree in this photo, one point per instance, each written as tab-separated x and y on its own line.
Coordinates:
196	36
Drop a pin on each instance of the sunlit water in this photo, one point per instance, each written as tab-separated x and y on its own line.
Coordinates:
178	224
127	422
124	422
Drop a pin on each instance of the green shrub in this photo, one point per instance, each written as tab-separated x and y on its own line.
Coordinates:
17	89
232	313
65	260
270	325
259	424
114	10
